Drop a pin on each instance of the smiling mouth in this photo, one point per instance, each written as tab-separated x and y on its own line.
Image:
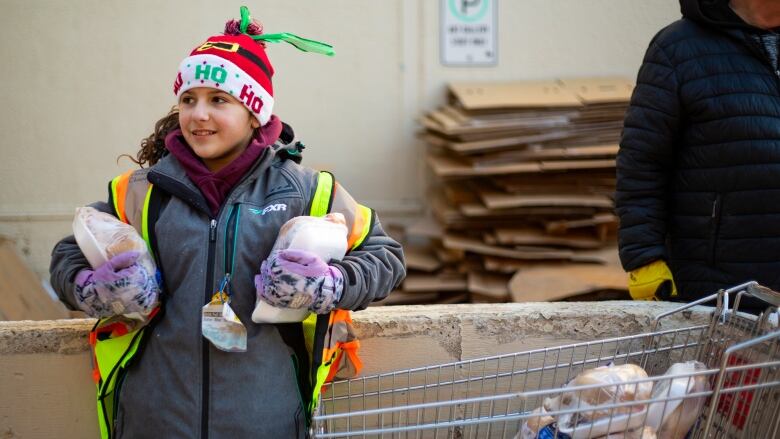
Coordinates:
201	133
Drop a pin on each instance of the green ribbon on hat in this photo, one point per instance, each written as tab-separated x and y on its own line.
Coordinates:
303	44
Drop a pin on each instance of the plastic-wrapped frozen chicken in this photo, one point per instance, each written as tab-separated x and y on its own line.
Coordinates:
100	237
324	236
673	419
610	390
593	408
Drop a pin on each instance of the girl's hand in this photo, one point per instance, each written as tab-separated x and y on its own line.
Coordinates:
299	279
120	286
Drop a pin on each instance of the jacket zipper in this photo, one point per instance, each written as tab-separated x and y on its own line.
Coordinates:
716	208
204	419
230	234
757	49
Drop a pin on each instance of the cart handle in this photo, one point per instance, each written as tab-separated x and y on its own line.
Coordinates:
751	288
766	294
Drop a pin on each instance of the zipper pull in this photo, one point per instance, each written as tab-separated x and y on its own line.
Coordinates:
224	285
213	231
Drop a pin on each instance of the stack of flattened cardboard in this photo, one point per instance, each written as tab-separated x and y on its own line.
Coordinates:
525	176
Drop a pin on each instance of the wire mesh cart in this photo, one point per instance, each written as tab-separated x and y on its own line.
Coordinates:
733	393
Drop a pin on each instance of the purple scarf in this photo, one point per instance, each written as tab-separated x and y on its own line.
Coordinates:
215	186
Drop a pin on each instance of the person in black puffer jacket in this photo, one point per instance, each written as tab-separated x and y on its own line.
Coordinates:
698	172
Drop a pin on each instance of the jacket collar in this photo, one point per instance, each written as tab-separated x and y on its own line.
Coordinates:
169	175
713	13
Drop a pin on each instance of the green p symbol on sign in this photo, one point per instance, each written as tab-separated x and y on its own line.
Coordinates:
468	10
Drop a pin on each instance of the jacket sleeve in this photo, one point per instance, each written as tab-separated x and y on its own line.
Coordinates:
645	161
372	270
67	260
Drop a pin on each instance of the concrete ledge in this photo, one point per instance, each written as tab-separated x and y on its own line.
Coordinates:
46	364
453	327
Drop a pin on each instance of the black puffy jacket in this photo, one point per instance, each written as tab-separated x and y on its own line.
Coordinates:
698	172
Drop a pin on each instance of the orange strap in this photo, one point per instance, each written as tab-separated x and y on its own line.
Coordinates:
351	348
95	369
119	192
357	228
116	329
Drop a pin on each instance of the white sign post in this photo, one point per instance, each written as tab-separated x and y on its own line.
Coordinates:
468	33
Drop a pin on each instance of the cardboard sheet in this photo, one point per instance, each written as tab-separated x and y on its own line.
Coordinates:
539	284
421	258
23	295
489	287
561	226
399	297
518	236
499	200
546	153
425	282
519	94
425	227
477	210
504	142
599	90
449	167
547	283
477	246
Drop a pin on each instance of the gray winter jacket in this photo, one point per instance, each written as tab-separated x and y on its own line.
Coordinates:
183	387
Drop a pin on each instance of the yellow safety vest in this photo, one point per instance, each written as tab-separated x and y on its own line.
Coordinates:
330	341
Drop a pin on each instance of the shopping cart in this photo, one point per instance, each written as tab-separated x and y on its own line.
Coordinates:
494	396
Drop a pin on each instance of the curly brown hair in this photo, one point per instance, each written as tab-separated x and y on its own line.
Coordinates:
153	146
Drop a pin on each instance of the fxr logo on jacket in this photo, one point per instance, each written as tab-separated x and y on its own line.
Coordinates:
271	208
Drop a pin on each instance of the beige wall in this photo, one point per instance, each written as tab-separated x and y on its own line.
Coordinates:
83	81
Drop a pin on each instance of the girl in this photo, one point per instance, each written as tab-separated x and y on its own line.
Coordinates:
212	203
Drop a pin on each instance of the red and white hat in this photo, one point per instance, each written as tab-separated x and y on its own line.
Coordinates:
235	64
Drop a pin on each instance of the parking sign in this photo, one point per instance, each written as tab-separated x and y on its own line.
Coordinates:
468	32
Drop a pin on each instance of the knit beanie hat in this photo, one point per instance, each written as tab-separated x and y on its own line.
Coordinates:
238	64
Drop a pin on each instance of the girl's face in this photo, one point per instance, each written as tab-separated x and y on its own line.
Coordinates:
215	125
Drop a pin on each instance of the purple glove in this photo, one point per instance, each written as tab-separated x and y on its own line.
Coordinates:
120	286
299	279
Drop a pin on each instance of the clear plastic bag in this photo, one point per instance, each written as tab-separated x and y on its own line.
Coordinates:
593	405
101	236
673	419
324	236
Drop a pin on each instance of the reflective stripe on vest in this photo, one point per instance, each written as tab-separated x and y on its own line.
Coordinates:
339	338
118	192
320	203
358	217
113	342
131	193
330	197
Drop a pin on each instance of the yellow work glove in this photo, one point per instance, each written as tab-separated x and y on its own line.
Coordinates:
652	282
